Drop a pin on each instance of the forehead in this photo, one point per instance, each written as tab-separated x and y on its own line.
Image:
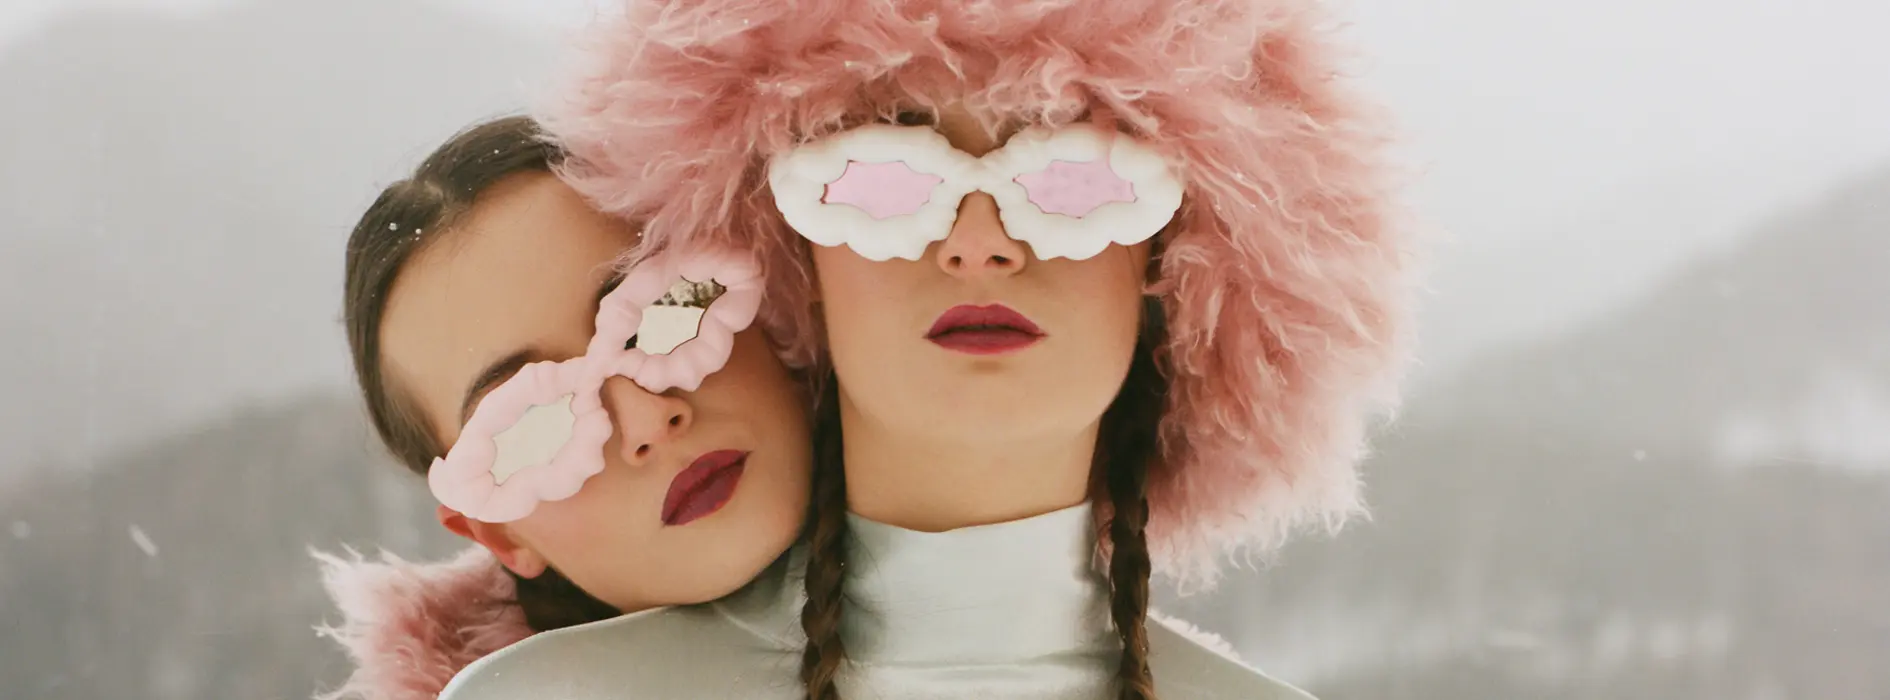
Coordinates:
520	271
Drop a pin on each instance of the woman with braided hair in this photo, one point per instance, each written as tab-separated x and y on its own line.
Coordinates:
1091	290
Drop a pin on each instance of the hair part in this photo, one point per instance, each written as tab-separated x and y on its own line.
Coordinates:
407	217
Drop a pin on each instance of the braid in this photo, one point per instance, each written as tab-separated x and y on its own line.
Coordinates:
1128	448
826	564
1128	581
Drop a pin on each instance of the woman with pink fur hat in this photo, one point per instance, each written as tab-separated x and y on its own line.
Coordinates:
1093	289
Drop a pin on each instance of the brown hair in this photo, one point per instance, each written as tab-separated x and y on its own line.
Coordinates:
1126	446
408	216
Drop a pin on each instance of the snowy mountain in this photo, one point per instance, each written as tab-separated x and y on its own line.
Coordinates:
1688	499
180	569
1802	301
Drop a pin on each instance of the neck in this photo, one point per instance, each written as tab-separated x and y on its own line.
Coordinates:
934	485
1026	590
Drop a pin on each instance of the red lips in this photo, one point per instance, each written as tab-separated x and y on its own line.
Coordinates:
983	330
704	487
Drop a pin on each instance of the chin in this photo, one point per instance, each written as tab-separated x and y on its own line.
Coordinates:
987	426
728	581
747	540
714	573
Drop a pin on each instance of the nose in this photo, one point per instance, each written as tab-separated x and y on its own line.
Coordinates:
978	246
645	422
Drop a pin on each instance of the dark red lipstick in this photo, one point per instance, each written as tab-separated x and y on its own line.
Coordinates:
704	487
983	330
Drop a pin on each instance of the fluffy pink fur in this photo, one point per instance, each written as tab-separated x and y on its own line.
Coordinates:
409	627
1284	275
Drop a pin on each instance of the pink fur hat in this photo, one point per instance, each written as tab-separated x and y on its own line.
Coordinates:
1285	275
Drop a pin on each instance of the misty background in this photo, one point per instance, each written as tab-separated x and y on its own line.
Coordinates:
1647	453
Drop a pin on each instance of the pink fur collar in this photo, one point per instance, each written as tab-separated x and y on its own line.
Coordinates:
409	627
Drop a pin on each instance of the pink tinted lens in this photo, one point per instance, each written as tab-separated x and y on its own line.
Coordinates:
882	190
1075	189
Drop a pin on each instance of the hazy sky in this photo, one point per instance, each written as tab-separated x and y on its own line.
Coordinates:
1574	151
22	15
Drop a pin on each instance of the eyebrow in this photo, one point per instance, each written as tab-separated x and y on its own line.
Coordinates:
503	368
494	374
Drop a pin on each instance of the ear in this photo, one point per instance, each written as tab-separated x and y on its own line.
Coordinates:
497	539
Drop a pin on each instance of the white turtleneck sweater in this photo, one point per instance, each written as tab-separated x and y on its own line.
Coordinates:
1014	610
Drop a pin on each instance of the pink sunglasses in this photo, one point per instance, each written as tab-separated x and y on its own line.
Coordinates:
889	191
670	323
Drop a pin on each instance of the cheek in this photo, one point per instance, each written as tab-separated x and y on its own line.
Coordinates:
1125	308
833	273
1109	293
599	538
860	301
758	398
753	387
1109	290
611	512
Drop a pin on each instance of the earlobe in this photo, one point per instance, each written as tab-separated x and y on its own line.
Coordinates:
521	561
496	538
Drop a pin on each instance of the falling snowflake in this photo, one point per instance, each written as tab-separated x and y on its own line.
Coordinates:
143	541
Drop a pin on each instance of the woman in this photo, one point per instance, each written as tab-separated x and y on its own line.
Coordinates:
1203	381
678	473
